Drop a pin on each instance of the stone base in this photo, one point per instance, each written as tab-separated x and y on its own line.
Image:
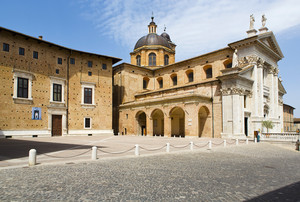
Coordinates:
263	30
251	32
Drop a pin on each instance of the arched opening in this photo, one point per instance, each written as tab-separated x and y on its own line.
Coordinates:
174	79
208	71
160	82
152	59
202	121
227	63
177	122
141	123
190	75
145	82
166	59
158	122
138	60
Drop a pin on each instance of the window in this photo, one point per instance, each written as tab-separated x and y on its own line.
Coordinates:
72	61
160	82
22	87
166	59
245	101
6	47
174	80
229	65
104	66
88	95
90	73
208	72
152	59
138	60
57	71
145	82
90	63
57	92
35	55
21	51
59	61
87	123
190	76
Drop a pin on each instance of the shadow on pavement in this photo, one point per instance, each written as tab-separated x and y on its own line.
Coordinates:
288	193
15	148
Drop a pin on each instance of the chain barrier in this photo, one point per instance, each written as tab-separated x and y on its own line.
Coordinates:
122	152
242	141
217	144
67	156
202	145
155	149
231	142
183	146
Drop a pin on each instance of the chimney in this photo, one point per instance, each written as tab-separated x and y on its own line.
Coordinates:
41	37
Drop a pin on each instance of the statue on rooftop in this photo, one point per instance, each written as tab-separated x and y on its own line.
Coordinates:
263	20
235	59
252	20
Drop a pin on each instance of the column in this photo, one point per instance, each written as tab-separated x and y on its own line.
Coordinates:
260	97
255	94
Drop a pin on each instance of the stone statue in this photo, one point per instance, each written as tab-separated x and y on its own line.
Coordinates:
235	59
252	20
263	20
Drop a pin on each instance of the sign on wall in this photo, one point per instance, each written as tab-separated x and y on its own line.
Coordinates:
36	113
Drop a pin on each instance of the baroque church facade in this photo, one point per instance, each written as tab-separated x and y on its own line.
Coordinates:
223	93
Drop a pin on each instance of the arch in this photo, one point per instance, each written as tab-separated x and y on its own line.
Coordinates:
203	125
138	60
160	82
166	60
145	82
157	116
141	123
208	71
190	75
152	59
177	116
174	79
227	63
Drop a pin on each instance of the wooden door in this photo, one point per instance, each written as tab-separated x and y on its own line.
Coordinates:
56	125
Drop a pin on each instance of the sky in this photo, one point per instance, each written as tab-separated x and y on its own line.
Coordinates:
112	27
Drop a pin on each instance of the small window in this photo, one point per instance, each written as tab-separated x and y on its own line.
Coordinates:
104	66
166	59
57	92
21	51
174	80
87	122
208	72
90	73
191	76
72	61
22	88
57	71
229	65
138	60
161	83
88	95
145	83
59	61
35	55
152	59
126	116
245	101
6	47
90	63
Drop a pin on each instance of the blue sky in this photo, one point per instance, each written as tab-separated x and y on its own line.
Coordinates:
112	27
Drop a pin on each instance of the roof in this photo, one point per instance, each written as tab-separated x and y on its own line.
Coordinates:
151	39
114	59
296	120
286	105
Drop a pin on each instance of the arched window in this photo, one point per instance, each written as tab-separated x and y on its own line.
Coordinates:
145	82
166	59
228	63
190	76
160	82
152	59
138	60
208	72
174	79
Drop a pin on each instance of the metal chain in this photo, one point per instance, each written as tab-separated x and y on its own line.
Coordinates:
217	143
180	146
155	149
122	152
67	156
202	145
231	142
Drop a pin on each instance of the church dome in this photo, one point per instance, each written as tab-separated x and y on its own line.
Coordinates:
152	39
166	36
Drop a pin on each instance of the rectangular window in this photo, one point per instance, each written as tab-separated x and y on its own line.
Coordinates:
72	61
22	88
90	63
59	61
57	92
104	66
88	95
90	73
21	51
35	55
6	47
87	122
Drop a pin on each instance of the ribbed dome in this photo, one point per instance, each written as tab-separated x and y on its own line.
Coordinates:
166	36
152	39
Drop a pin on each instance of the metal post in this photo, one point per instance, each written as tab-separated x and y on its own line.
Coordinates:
255	140
191	145
168	147
247	141
224	143
32	157
94	153
137	150
209	144
236	141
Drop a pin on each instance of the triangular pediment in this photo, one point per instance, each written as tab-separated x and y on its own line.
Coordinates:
269	41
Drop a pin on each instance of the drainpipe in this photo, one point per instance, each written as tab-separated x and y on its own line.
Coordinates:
212	112
68	89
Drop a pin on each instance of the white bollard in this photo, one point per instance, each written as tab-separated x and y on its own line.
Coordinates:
255	140
191	145
168	147
236	141
137	150
209	144
32	157
224	143
247	141
94	153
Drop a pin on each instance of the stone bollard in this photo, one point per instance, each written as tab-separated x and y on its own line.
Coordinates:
224	143
191	145
247	141
94	153
236	141
137	150
255	140
32	157
209	144
168	147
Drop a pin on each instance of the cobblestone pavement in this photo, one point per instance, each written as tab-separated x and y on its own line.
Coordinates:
257	172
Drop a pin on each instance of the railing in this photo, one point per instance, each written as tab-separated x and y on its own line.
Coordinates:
280	136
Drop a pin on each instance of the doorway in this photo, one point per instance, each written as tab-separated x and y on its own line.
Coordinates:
56	125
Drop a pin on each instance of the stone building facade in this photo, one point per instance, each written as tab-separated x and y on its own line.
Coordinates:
288	118
48	90
224	93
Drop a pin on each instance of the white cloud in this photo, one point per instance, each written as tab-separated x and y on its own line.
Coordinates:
195	26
